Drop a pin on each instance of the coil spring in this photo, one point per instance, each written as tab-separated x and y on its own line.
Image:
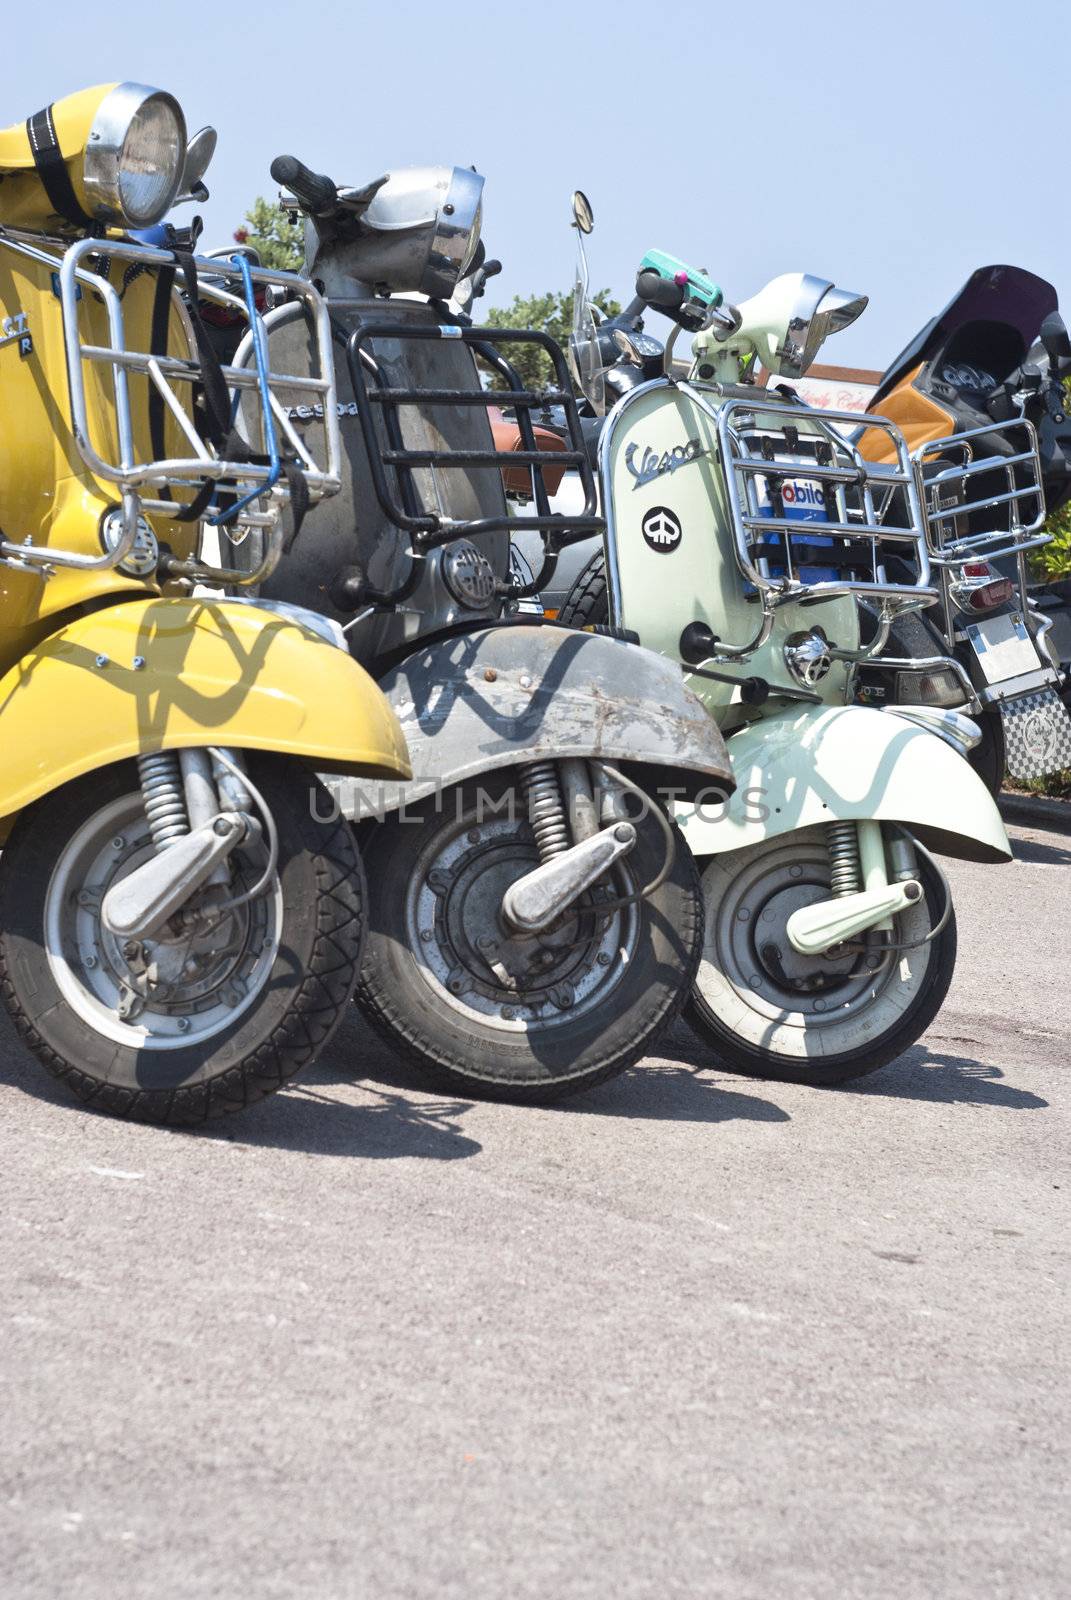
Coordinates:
846	877
546	812
164	797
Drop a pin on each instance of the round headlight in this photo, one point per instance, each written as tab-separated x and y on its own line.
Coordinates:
135	156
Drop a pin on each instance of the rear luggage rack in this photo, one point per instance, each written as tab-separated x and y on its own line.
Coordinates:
769	448
239	481
981	493
403	505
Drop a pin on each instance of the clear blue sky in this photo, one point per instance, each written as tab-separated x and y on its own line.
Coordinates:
892	148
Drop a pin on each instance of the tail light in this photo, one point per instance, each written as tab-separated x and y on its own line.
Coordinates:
226	316
980	588
940	688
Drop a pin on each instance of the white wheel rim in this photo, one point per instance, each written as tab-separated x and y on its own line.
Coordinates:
736	984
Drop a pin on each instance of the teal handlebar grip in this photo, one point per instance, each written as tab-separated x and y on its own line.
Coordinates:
699	286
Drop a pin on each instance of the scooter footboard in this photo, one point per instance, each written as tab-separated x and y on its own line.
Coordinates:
845	763
503	696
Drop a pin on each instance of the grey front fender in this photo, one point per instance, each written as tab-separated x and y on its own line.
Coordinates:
477	702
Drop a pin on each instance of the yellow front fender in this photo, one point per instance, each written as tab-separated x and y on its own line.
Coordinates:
163	674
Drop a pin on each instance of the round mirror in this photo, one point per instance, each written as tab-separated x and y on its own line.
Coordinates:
199	152
583	216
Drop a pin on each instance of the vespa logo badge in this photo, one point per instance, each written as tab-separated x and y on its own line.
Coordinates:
346	408
653	465
661	530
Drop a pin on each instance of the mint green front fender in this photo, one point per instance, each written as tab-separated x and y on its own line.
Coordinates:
834	763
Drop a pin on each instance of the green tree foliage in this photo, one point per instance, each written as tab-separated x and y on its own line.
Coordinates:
1053	560
551	313
279	242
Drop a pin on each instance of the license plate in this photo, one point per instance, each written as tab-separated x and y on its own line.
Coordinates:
1004	647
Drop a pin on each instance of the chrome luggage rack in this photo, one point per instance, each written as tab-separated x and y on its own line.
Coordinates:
765	444
981	493
239	494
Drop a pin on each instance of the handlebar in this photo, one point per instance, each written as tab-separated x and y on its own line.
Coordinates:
654	290
313	190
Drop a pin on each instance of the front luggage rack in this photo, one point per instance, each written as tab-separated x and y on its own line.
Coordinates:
238	482
981	493
402	502
776	455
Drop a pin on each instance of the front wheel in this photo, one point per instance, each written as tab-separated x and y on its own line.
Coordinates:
768	1012
215	1011
486	1012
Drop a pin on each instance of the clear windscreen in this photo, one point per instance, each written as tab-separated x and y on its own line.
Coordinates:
587	363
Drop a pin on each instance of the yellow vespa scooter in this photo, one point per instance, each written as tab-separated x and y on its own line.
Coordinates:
180	908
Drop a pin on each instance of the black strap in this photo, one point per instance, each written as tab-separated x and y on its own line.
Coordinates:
52	170
161	321
217	406
217	397
227	440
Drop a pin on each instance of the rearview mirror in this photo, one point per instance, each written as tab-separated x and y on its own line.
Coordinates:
1054	336
583	216
199	152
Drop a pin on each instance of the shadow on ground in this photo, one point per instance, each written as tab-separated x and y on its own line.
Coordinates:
919	1074
1036	852
306	1116
394	1119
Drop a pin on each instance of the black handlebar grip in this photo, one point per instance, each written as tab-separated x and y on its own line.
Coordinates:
315	192
658	291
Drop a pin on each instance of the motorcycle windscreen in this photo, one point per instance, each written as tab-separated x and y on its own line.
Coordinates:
584	354
996	295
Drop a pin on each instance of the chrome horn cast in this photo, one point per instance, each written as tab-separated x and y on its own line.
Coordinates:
808	657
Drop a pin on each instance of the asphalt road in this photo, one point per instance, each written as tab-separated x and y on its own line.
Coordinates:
691	1336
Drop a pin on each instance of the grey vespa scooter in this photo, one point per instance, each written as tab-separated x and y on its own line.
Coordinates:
535	917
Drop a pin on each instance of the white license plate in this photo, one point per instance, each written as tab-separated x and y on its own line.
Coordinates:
1004	647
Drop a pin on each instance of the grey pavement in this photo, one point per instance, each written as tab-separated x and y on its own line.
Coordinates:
689	1335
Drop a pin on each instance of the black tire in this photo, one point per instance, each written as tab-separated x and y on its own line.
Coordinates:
587	602
535	1059
296	1005
740	1055
989	757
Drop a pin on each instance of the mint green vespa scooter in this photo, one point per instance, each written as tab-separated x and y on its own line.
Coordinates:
743	531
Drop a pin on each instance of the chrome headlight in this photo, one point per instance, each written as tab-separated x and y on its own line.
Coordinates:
420	232
135	155
821	309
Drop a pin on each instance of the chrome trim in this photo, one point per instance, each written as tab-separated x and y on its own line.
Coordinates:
923	664
812	323
953	727
1017	534
741	466
104	153
325	628
609	538
134	477
1041	677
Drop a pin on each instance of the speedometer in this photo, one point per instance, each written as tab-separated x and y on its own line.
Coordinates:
973	379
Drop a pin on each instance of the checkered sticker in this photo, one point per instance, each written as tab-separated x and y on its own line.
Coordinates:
1037	734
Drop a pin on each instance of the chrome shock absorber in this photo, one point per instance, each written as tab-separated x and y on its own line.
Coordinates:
164	798
546	810
842	840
